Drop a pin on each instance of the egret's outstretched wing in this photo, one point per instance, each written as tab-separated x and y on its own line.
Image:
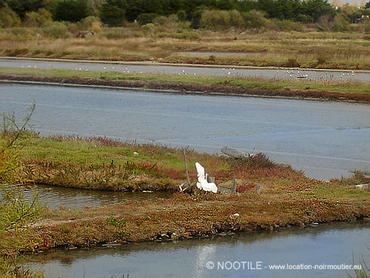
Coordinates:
200	171
201	175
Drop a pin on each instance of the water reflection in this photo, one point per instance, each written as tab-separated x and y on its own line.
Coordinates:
344	243
204	255
56	197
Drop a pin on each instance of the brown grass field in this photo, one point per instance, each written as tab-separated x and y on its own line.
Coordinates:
306	49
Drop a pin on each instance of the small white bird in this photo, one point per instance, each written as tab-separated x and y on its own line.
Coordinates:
202	183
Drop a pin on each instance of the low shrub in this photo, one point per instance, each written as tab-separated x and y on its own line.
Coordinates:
57	30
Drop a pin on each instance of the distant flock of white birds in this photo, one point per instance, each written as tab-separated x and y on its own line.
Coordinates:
280	73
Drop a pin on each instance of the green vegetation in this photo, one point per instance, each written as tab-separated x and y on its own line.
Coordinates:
342	90
15	211
285	196
208	14
101	164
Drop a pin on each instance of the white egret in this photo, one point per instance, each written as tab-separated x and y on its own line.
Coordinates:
202	183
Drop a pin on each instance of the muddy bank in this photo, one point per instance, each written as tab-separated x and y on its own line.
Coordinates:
200	215
210	89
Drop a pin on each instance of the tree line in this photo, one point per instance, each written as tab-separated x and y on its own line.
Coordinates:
235	13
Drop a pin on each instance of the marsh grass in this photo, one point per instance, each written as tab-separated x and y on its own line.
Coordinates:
287	197
281	204
238	82
57	159
271	48
103	164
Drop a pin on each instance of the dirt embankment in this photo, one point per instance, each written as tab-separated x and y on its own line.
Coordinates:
199	215
211	89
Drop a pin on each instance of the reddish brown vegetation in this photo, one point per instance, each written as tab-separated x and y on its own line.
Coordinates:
196	88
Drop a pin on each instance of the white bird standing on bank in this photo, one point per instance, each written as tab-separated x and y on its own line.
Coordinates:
202	183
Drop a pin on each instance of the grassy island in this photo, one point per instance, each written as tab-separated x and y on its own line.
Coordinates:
269	196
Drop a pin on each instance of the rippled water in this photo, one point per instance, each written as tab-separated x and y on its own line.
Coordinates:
231	256
325	139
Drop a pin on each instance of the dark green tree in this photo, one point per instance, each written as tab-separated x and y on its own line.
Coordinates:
113	16
225	4
21	7
133	8
247	5
272	8
316	9
174	6
192	8
70	10
146	18
155	6
290	8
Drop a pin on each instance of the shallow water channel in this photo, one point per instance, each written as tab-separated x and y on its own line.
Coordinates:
72	198
320	251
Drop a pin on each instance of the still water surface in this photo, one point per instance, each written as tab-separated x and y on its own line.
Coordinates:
232	256
73	198
324	139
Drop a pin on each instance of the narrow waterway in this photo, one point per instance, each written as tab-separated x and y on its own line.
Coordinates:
73	198
324	139
322	251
